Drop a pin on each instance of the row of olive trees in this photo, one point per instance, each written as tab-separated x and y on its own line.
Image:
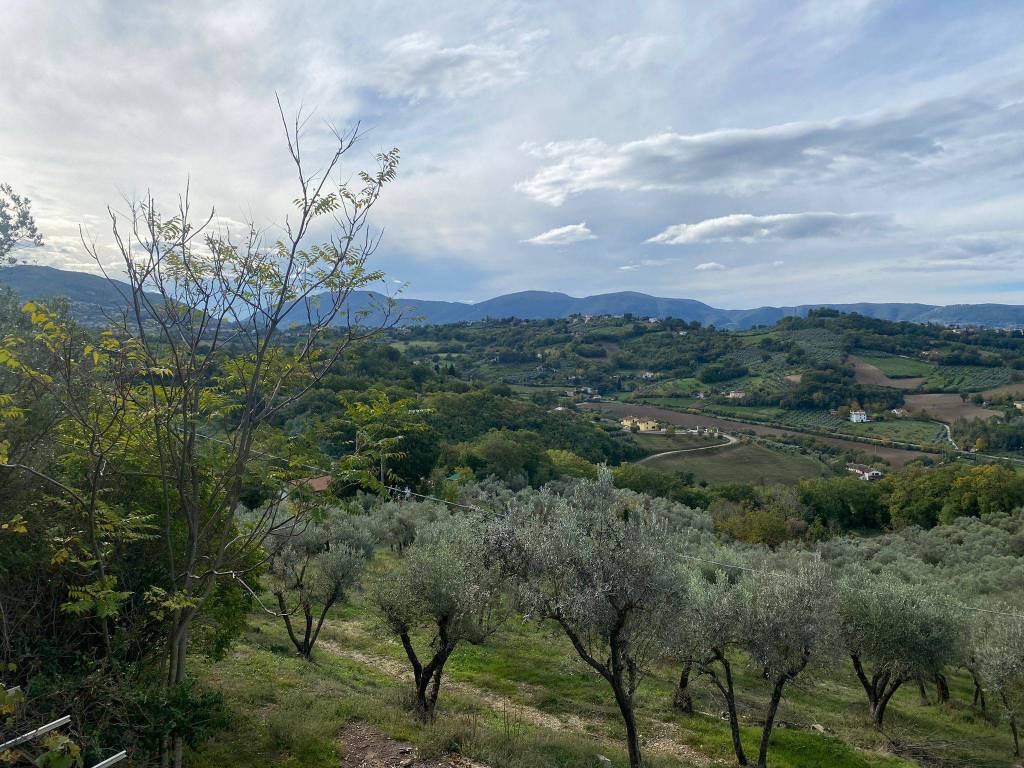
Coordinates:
604	566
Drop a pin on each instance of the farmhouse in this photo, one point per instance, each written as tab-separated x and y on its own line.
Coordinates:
640	425
864	472
736	394
859	417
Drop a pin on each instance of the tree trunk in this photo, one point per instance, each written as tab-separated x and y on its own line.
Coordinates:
922	693
681	700
1014	731
730	703
941	688
881	702
769	721
979	692
625	702
728	693
178	645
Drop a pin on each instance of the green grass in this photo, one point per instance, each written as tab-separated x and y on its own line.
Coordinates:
896	367
679	441
743	464
966	378
523	700
901	430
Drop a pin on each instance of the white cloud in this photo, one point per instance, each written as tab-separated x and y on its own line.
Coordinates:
741	161
746	228
710	266
572	233
421	64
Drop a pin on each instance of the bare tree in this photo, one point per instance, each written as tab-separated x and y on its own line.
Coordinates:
314	568
894	633
596	562
790	618
447	586
209	310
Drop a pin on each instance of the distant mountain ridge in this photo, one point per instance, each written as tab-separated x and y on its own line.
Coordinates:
90	294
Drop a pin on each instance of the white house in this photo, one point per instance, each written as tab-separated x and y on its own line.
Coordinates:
859	417
864	472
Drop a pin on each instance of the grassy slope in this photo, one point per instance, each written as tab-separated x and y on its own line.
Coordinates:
524	700
743	464
680	441
899	367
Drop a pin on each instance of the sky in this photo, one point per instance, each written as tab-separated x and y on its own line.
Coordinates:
739	153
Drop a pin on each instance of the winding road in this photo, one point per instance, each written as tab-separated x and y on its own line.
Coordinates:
729	440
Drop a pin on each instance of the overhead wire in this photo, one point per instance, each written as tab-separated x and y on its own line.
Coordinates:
408	493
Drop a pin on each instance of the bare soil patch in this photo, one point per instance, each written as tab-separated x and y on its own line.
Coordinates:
1016	390
796	378
866	373
366	747
947	407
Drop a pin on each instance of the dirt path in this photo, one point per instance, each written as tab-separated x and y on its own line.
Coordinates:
659	741
729	440
366	747
897	457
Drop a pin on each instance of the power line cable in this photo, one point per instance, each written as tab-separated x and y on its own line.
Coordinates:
409	493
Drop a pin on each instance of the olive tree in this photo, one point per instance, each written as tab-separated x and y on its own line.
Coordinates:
1000	659
597	562
894	633
789	620
446	590
314	568
703	638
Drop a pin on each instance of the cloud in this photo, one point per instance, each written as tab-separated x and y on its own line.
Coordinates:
745	228
741	161
572	233
710	266
420	65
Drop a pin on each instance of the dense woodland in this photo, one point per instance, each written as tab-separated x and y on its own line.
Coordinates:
198	468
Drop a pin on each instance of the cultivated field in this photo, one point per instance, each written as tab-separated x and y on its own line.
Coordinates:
867	373
742	464
897	457
947	407
898	367
656	443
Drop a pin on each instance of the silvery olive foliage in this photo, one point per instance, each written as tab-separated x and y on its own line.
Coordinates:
314	568
970	558
445	591
400	520
789	621
707	634
1000	661
893	633
599	563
